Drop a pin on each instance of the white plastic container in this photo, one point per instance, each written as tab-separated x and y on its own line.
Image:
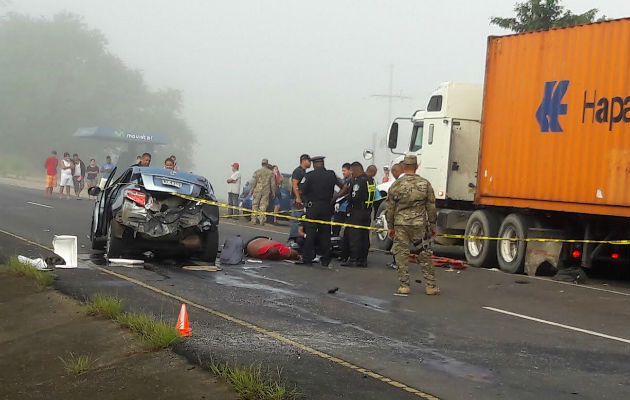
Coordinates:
65	246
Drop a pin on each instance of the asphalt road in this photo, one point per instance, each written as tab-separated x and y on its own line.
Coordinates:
476	341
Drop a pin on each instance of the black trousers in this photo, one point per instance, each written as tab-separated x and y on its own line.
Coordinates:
338	217
359	239
317	234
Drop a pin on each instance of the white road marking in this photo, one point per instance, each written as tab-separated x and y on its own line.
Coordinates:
37	204
573	328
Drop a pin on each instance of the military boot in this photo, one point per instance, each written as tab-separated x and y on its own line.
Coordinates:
432	291
403	289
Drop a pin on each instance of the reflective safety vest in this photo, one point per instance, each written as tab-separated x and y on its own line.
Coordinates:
371	188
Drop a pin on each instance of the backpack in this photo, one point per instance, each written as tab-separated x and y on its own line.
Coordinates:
232	253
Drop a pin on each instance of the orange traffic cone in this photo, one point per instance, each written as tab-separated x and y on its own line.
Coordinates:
183	329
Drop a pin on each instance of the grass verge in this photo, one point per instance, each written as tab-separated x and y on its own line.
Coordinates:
104	306
42	278
255	382
77	365
155	335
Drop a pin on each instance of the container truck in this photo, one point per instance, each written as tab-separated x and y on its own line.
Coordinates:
542	150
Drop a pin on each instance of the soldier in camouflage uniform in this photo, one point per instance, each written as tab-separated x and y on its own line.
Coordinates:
410	207
263	186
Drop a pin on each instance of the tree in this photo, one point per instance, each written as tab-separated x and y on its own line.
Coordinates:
57	75
537	15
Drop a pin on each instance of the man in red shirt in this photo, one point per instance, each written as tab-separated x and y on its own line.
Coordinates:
51	164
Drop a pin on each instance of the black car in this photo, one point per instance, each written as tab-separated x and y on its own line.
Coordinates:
138	212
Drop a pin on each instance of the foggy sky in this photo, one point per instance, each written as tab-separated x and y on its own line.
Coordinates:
278	78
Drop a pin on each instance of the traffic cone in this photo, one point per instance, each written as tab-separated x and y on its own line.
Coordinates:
183	329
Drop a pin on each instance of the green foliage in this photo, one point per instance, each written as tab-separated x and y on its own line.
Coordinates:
155	335
43	279
255	382
537	15
58	75
104	305
77	364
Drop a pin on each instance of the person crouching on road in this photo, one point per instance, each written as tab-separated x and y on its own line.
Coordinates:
263	185
360	202
318	190
410	207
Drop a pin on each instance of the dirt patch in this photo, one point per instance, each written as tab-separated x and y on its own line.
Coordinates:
39	328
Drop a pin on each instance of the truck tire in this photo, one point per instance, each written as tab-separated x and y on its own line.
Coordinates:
211	246
481	253
511	254
114	247
379	239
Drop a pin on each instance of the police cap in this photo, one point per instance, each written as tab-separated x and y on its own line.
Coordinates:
410	159
317	159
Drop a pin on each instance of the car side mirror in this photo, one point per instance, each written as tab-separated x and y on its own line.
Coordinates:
94	191
392	140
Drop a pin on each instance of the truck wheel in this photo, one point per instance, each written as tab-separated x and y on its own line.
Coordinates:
511	253
380	240
114	247
211	246
479	252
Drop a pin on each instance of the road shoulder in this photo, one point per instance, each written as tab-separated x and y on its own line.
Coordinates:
39	328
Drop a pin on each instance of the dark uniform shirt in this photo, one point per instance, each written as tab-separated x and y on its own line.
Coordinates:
362	190
298	174
319	185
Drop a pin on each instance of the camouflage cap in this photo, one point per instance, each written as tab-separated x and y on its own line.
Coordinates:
410	159
265	161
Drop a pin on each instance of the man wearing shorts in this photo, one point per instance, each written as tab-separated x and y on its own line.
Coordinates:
51	173
92	174
66	166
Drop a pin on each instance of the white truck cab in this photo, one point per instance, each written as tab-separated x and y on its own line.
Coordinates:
445	138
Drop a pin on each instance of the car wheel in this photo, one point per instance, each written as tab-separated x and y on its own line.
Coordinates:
479	252
96	243
211	246
511	253
380	240
114	247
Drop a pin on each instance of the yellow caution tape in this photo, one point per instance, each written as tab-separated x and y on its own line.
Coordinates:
623	242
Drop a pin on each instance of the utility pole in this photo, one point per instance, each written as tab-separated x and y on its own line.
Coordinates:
390	97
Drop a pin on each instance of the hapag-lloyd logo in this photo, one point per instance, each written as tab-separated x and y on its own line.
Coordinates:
552	106
604	110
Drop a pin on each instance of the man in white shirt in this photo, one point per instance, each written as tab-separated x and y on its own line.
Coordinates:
234	188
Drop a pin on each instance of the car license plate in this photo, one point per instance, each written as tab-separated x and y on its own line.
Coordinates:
168	182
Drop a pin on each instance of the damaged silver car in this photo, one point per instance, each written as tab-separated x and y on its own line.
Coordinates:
138	212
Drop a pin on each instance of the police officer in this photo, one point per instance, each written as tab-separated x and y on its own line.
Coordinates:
362	191
317	193
410	207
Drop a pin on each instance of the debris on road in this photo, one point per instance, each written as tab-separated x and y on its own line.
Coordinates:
126	261
38	263
209	268
66	247
333	290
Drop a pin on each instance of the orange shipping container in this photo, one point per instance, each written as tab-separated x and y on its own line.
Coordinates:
556	120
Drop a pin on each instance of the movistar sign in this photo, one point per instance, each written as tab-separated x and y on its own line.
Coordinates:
552	107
